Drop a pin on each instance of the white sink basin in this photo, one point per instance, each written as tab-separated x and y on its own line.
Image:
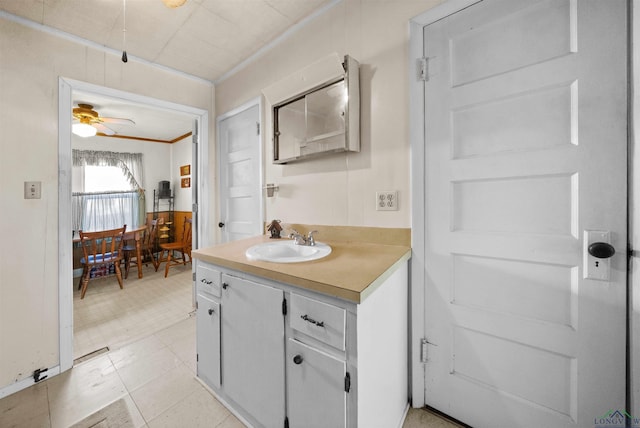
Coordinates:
285	251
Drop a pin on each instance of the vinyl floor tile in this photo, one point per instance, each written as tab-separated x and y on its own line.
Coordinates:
151	363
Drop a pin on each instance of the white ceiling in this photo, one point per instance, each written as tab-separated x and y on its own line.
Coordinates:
151	123
204	38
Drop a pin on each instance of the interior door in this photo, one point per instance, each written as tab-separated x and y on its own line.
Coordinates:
525	125
240	180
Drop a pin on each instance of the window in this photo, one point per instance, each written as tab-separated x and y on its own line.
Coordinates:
104	179
106	192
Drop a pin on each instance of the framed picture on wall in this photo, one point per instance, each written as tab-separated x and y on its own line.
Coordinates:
185	170
185	182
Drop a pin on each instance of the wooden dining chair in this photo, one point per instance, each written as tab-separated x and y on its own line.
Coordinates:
100	251
183	246
146	250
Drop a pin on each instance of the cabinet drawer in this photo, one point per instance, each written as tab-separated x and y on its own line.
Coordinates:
319	320
207	279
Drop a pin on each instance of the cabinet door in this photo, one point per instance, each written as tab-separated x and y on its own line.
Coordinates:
315	388
208	340
253	349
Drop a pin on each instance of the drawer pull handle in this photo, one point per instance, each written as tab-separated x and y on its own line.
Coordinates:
211	311
225	285
204	281
298	359
307	318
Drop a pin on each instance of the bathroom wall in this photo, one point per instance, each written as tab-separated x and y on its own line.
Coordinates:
340	189
31	62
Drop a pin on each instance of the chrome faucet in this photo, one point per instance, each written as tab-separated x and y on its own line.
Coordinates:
310	240
301	240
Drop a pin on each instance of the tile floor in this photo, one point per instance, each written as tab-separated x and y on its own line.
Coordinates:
108	316
152	368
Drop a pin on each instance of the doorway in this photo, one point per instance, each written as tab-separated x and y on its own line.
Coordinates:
199	151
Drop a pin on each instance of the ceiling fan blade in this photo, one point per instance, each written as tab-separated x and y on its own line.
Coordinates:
117	120
101	128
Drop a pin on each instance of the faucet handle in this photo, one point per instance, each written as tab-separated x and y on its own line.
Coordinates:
310	238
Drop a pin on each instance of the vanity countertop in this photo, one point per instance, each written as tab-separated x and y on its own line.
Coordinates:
351	272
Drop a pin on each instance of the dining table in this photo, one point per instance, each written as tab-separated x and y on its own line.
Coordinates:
136	233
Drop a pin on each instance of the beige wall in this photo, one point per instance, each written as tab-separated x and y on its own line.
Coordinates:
340	189
30	64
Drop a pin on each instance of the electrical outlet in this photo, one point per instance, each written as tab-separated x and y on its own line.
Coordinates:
387	201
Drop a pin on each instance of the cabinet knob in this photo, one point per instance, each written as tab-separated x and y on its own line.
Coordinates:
298	359
221	225
211	311
225	285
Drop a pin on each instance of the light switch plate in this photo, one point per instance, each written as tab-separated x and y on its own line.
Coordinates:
32	189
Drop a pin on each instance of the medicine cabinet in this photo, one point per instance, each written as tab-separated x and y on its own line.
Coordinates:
325	119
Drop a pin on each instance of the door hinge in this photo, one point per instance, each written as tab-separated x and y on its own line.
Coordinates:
196	304
257	128
347	382
286	422
197	357
37	375
284	306
423	350
193	276
422	67
194	208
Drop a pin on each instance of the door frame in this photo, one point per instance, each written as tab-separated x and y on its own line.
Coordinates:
257	101
418	179
418	141
66	87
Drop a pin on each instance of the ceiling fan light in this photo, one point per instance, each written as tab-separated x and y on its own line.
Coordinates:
83	130
173	3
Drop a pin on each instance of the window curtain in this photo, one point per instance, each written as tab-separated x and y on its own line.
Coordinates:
88	208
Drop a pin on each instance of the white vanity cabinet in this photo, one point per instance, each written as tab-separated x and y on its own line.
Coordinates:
208	341
294	358
208	324
253	349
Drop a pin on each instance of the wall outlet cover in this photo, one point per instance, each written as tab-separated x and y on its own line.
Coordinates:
387	201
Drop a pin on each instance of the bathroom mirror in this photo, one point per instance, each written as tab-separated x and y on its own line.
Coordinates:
325	119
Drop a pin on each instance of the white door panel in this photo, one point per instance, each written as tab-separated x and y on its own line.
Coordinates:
525	125
240	188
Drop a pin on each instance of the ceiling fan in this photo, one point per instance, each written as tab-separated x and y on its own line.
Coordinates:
90	122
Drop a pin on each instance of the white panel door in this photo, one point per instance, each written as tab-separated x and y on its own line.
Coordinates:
240	181
253	349
525	125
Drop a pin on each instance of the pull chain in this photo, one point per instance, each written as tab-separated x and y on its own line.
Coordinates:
124	31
